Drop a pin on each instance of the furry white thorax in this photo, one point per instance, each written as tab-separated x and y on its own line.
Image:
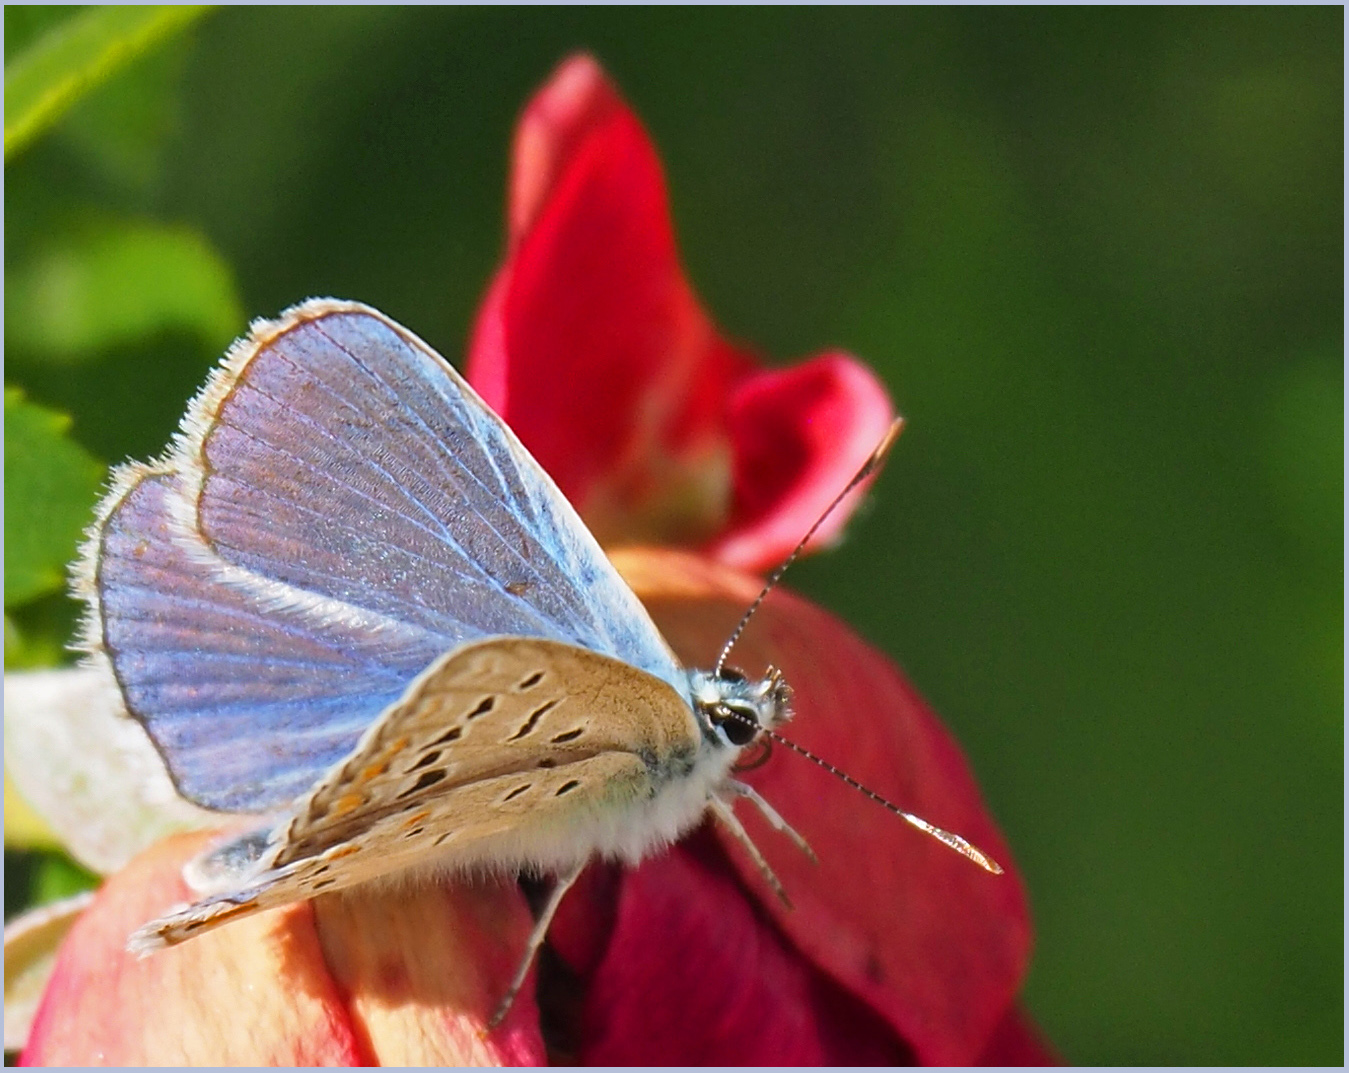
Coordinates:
634	829
635	822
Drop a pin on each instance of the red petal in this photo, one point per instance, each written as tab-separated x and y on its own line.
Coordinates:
577	100
590	342
936	945
593	347
693	975
1016	1042
800	435
414	974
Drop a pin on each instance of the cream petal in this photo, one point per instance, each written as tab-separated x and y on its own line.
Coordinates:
87	768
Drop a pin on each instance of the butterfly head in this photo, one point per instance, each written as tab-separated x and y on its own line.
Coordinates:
734	709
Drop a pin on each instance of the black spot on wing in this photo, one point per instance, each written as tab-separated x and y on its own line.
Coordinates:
570	735
484	706
567	787
530	682
534	717
428	778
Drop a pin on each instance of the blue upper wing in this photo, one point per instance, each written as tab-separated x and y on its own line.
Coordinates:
339	509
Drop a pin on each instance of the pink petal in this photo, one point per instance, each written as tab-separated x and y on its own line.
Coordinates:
253	993
577	101
934	944
393	975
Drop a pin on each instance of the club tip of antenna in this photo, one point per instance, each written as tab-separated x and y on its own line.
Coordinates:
883	448
969	851
975	854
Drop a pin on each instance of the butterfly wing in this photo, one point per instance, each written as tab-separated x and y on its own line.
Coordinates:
243	701
509	752
336	487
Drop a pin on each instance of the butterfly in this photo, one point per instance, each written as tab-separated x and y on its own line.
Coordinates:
347	600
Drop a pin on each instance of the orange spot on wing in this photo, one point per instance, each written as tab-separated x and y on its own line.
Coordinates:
346	803
342	851
415	819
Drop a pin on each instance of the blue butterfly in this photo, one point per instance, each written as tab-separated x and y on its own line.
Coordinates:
348	600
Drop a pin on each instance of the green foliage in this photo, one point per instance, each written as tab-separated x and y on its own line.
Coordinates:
36	877
50	484
74	56
57	876
115	284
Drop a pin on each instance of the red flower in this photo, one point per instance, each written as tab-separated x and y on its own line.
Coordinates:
592	345
594	349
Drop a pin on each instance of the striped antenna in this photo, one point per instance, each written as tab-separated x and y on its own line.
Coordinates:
960	845
954	841
870	466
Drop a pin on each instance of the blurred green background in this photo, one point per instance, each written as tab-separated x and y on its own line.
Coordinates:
1097	256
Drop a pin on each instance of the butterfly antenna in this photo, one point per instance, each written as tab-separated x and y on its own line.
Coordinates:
954	841
960	845
870	466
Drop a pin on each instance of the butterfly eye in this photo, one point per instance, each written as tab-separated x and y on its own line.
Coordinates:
738	724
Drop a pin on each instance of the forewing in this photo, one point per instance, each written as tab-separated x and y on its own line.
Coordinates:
347	459
339	509
504	752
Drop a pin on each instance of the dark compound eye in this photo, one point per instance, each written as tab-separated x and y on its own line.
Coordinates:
739	727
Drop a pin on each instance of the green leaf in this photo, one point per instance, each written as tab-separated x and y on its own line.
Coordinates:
122	129
76	55
51	483
38	633
25	23
57	877
25	650
116	284
24	828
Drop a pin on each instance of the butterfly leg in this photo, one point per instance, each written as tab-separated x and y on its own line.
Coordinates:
726	817
560	887
775	820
